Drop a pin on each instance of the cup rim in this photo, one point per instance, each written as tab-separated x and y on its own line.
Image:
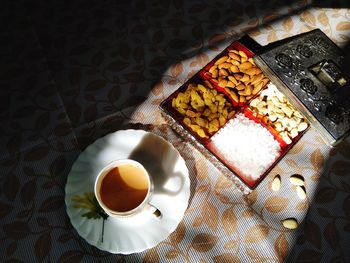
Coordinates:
104	171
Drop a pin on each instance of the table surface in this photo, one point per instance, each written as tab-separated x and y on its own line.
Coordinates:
73	72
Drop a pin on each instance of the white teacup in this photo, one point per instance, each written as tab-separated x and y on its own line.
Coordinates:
124	188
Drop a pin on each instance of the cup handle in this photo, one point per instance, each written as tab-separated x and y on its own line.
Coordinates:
154	210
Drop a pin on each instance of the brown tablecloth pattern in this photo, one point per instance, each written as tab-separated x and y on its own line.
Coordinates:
74	72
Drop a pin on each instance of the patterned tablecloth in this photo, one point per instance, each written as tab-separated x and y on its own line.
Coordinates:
73	72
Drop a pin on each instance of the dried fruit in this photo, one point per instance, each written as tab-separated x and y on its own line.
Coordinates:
203	108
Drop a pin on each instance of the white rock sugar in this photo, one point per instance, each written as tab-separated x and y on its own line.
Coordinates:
247	146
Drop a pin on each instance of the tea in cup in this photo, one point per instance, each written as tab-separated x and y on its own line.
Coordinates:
124	188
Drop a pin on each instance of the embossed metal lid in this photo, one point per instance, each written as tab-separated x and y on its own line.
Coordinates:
309	70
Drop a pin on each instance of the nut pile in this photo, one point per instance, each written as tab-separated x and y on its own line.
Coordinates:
204	109
274	109
238	75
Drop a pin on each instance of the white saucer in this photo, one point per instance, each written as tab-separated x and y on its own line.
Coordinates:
171	191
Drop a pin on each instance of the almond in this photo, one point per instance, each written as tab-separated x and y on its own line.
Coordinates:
242	54
223	72
290	223
234	56
221	60
222	83
297	179
276	183
301	192
234	69
245	65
